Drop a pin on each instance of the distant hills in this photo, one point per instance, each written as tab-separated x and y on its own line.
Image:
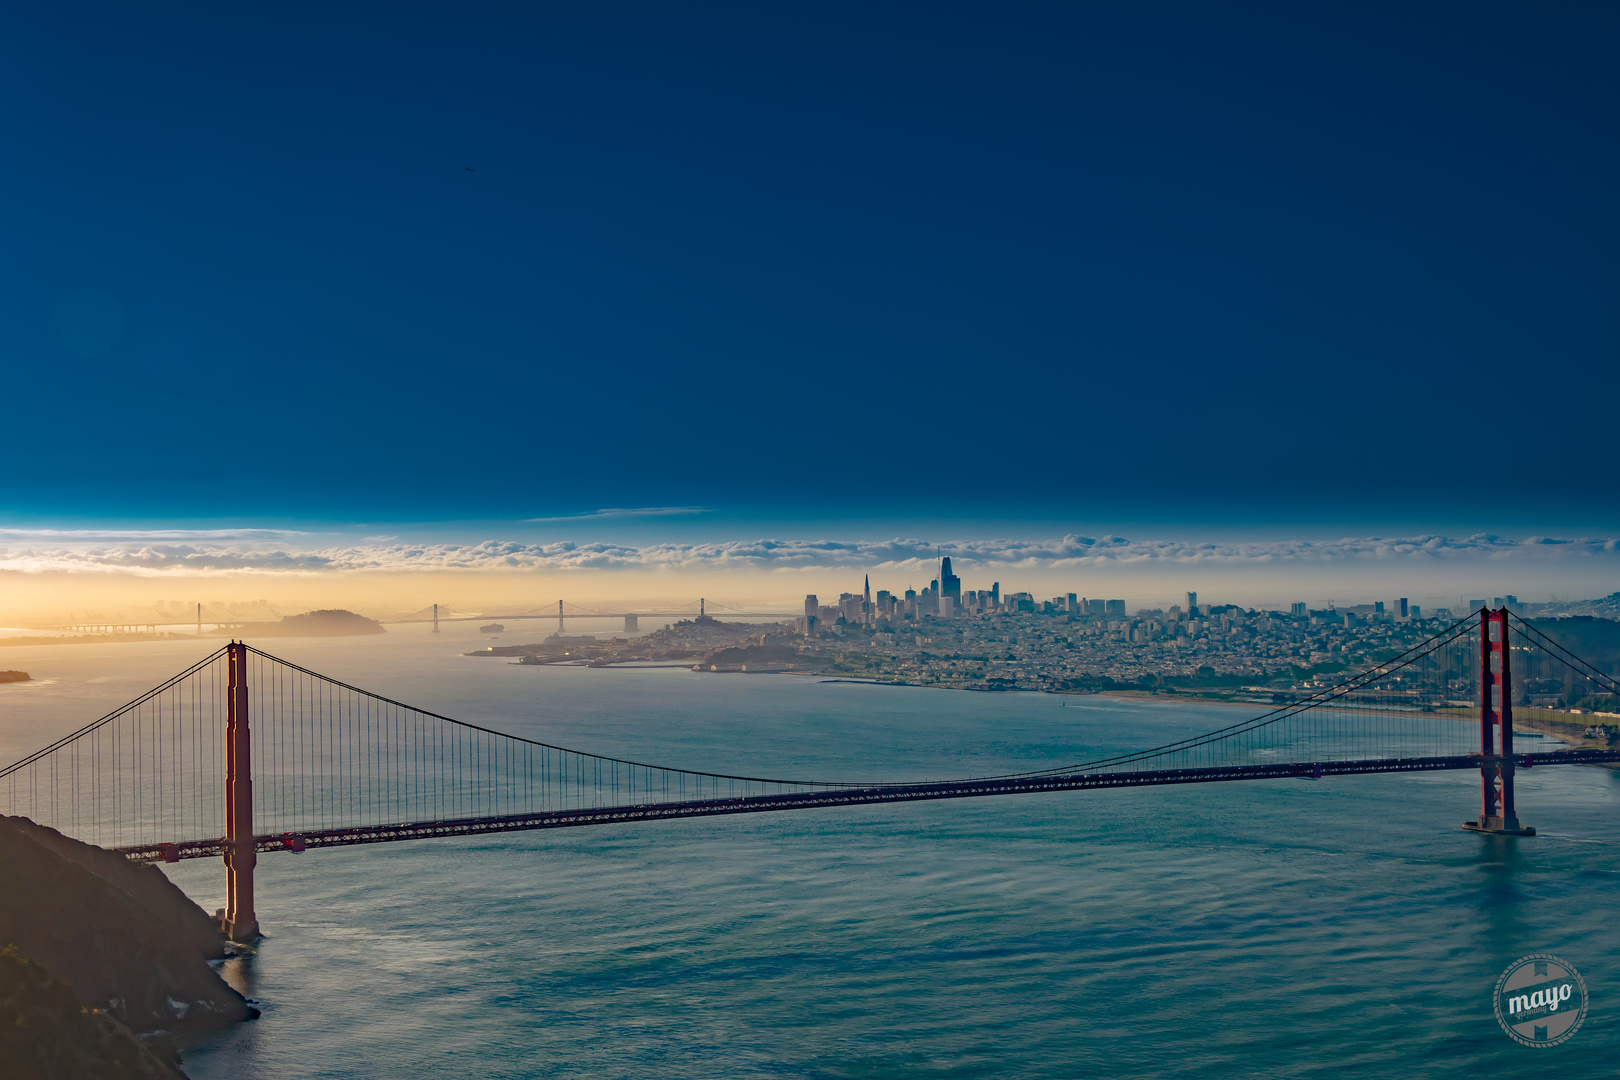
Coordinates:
1605	607
1595	640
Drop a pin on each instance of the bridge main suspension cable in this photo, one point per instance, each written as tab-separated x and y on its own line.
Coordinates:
331	760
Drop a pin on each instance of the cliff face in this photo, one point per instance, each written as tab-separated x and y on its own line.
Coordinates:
46	1034
127	939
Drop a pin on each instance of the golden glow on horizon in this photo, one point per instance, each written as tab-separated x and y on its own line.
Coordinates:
50	598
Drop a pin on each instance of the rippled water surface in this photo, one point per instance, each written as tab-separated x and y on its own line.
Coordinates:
1279	928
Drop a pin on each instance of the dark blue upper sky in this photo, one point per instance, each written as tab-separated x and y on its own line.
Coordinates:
1222	263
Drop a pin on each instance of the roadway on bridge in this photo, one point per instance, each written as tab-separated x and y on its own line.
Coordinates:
807	800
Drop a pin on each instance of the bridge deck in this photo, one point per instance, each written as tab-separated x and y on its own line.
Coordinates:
956	789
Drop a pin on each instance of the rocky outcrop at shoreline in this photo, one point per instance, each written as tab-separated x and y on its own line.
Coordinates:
46	1033
128	942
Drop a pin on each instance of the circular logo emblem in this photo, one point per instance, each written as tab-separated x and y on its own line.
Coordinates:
1540	1000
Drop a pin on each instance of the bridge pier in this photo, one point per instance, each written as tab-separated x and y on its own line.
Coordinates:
241	922
1497	814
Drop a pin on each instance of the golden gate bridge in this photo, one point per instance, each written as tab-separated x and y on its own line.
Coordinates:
245	753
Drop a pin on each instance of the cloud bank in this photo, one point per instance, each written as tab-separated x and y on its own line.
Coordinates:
268	552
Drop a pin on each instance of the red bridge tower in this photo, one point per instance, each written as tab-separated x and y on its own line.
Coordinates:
1496	813
240	923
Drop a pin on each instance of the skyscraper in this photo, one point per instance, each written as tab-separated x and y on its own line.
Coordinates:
1192	603
811	606
949	584
868	588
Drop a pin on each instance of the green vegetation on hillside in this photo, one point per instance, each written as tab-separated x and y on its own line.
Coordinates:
1594	640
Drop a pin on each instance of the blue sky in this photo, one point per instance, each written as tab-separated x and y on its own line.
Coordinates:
864	269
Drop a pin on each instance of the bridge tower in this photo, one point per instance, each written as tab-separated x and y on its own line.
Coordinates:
435	618
1496	810
559	619
240	923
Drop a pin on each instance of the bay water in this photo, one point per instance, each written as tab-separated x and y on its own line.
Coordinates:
1273	928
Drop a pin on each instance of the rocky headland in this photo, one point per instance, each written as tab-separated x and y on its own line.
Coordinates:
102	951
47	1033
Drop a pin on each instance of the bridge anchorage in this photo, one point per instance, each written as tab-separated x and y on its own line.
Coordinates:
181	773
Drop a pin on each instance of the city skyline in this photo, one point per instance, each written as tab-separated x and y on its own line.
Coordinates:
145	576
943	599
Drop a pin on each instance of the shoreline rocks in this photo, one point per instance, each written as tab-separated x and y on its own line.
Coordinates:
130	943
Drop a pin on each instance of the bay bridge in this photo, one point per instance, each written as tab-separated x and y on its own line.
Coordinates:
244	754
232	619
698	608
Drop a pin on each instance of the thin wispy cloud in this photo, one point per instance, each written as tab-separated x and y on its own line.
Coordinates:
626	512
154	559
